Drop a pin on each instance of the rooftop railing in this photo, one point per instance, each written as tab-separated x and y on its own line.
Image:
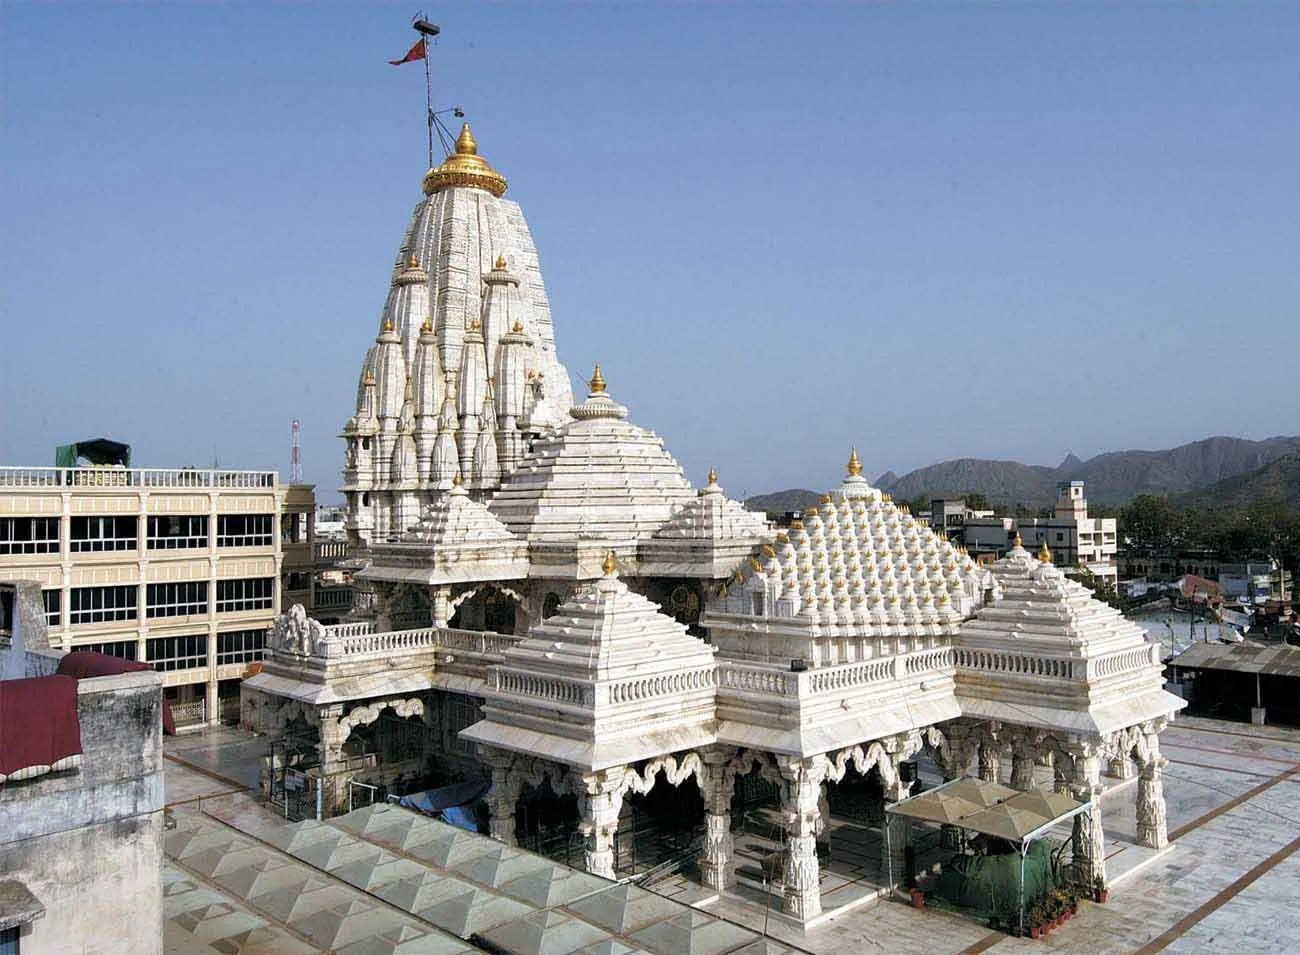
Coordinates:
109	477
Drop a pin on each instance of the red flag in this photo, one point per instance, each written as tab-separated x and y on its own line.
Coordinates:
416	52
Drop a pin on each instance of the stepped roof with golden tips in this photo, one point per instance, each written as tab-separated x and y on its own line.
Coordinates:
465	167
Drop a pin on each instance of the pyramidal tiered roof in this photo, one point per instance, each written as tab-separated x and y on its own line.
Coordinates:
858	561
606	680
713	516
1047	653
456	539
599	477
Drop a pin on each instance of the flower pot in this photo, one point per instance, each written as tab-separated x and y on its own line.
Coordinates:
1101	895
918	899
1035	931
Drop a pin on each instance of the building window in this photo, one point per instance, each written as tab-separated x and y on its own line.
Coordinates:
240	646
1060	536
244	530
460	713
297	580
29	535
253	593
9	940
122	649
181	531
99	604
53	600
94	534
185	599
178	653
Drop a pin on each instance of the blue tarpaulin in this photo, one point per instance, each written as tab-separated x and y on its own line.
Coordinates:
450	803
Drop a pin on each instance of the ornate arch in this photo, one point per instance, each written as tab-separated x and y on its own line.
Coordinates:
675	772
367	713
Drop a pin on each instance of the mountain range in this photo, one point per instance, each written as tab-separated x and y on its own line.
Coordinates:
1111	478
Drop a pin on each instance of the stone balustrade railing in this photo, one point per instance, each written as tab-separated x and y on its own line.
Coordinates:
111	477
548	688
846	677
349	629
332	598
665	684
387	642
1124	661
329	550
752	679
477	641
995	661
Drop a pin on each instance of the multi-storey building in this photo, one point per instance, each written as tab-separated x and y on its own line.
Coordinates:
1074	538
177	568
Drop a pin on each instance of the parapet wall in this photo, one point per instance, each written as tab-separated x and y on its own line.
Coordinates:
88	843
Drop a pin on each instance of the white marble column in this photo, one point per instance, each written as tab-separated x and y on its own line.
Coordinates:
896	844
332	737
1152	823
440	601
599	802
801	794
1022	766
503	795
990	762
1089	842
717	864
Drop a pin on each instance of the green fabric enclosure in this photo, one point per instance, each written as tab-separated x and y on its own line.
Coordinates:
95	450
990	885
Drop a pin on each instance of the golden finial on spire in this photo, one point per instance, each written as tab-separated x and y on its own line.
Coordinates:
458	480
827	499
597	382
713	476
1044	554
475	325
427	324
465	167
369	377
413	262
610	564
388	323
855	464
1018	542
501	263
518	327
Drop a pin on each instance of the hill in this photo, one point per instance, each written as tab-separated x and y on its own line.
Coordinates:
779	502
1274	483
1114	477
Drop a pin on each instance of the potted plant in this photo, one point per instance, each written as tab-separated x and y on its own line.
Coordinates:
918	898
1035	917
1099	891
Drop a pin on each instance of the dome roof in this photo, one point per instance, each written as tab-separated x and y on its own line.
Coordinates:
598	477
859	562
465	167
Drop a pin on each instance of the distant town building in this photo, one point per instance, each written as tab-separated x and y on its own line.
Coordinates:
178	568
1074	538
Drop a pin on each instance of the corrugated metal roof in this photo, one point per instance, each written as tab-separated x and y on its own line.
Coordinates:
1267	659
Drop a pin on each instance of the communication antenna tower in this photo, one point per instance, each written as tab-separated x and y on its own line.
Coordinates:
295	452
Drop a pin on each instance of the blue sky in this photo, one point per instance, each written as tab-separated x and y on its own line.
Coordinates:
930	230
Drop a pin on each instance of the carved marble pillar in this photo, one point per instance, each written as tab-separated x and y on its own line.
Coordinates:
895	845
1152	823
600	799
716	861
961	744
990	762
332	738
1023	758
801	793
503	795
440	603
1089	843
1121	767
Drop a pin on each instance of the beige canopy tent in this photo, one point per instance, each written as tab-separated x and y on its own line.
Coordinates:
977	805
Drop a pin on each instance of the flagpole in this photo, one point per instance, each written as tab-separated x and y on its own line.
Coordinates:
427	32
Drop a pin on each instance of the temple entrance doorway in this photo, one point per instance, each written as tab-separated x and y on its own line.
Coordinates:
852	839
660	833
489	609
547	823
757	831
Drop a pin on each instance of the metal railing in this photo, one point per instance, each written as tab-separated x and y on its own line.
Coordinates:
110	477
190	713
330	550
332	598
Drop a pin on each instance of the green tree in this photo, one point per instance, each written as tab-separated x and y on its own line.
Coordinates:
1150	523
